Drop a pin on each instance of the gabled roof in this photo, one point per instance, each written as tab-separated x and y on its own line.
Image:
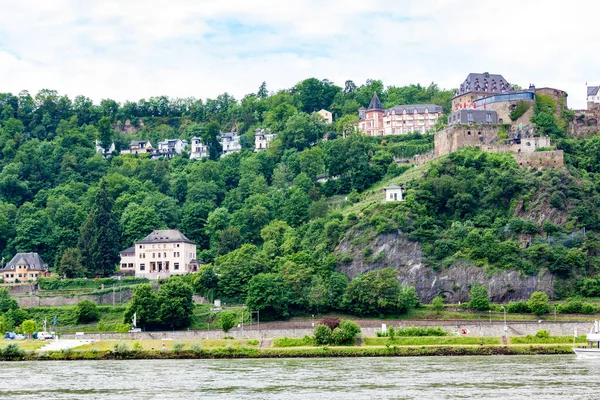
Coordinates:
127	251
485	82
392	187
165	236
33	260
593	90
375	103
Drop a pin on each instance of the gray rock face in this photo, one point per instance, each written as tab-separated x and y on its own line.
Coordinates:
396	251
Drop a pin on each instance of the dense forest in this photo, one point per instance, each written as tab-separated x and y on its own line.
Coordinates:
264	223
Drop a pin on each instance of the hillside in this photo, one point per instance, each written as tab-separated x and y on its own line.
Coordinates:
272	232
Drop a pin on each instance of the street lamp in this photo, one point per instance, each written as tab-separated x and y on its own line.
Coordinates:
505	327
313	320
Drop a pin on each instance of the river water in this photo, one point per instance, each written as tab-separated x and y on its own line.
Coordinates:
496	377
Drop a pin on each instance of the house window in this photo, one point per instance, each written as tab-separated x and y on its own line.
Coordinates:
153	255
176	266
123	265
165	255
20	275
142	267
158	255
131	265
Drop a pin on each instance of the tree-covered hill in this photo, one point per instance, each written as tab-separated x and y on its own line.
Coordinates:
267	227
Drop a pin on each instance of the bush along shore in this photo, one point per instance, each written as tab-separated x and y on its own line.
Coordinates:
14	353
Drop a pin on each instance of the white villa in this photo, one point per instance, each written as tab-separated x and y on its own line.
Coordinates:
199	150
393	193
170	147
262	138
161	254
230	142
327	116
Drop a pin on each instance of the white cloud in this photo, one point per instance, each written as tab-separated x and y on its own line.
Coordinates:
131	49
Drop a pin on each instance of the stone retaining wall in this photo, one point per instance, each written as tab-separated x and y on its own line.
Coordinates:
474	329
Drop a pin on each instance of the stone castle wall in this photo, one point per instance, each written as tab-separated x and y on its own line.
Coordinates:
553	158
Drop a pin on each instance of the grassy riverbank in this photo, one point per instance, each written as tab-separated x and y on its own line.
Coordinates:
217	349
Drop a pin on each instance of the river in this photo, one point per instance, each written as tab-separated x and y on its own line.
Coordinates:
505	377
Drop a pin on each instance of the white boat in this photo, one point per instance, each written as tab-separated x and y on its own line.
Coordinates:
593	339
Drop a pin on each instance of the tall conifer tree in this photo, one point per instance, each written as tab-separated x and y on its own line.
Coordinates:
99	240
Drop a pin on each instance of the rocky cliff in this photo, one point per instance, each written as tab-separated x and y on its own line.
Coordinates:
396	251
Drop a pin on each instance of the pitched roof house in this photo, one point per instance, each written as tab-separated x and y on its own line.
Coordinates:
25	267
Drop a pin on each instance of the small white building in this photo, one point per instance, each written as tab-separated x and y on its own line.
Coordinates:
230	142
161	254
393	193
128	259
171	147
199	150
262	138
102	150
593	97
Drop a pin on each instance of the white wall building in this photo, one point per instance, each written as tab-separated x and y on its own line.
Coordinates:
393	193
199	150
327	116
171	147
262	138
593	97
230	142
161	254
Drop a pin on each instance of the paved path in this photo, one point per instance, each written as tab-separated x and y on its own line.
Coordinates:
265	343
54	345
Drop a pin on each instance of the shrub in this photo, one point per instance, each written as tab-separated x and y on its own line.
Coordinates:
572	307
421	331
542	334
391	332
87	312
438	304
178	347
196	348
12	350
518	307
588	308
121	348
479	298
322	335
521	108
137	347
538	303
227	321
331	322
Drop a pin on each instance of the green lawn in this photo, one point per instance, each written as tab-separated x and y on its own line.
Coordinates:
530	339
27	345
102	345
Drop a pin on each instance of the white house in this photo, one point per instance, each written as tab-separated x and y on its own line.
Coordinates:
230	142
593	97
161	254
102	150
393	193
128	259
170	148
199	150
262	138
24	267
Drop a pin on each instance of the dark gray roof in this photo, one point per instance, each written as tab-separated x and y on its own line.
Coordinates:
375	103
137	142
229	134
476	82
593	90
165	236
129	250
393	187
410	108
34	261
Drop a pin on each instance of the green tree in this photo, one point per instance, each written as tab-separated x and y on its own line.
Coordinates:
175	304
144	306
7	303
227	320
99	240
479	298
86	312
268	293
407	299
538	303
28	327
71	265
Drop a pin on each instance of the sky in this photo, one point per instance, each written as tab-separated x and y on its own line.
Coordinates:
133	49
